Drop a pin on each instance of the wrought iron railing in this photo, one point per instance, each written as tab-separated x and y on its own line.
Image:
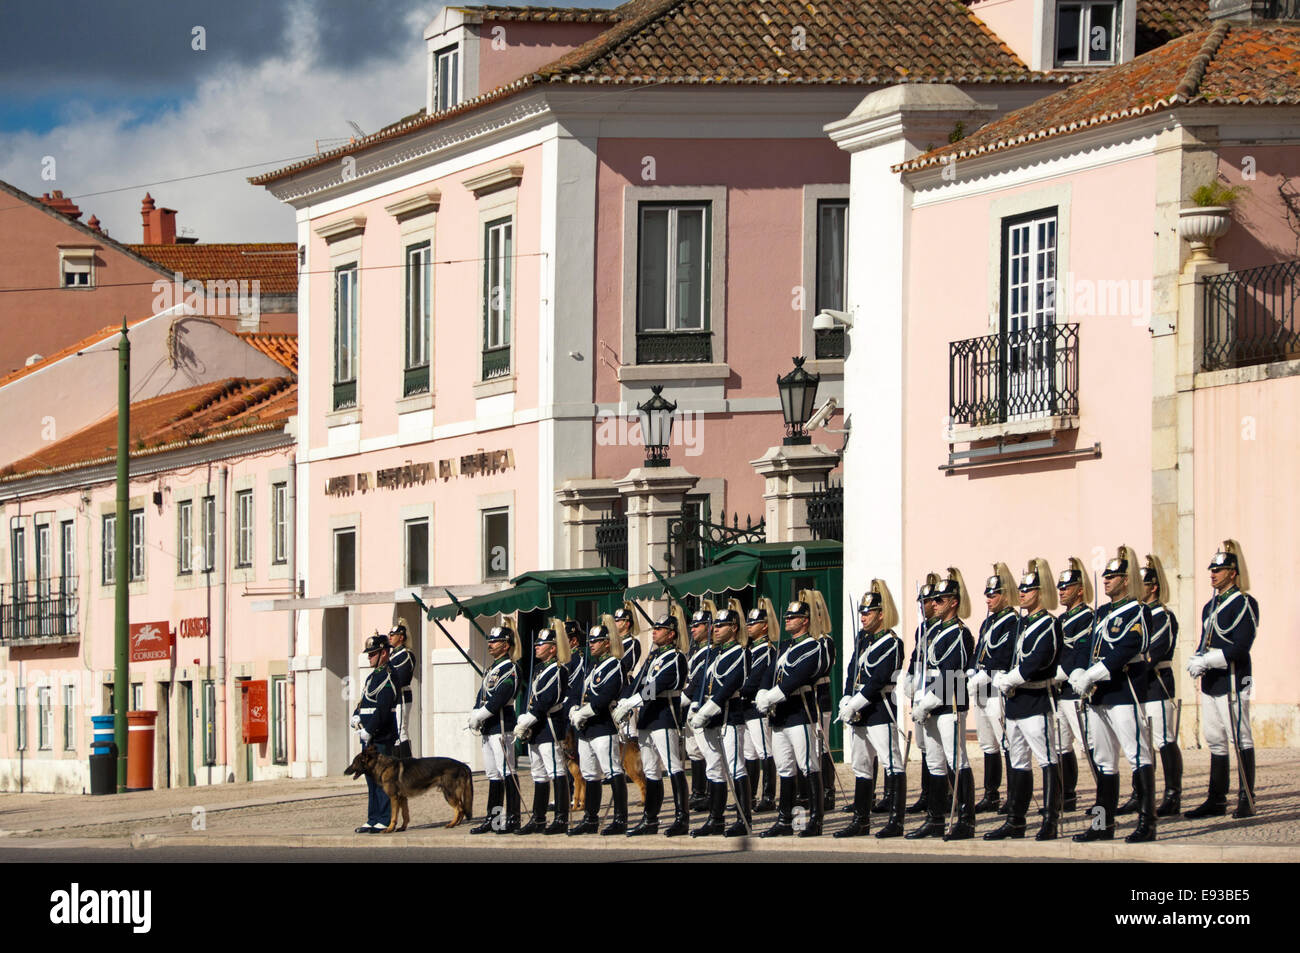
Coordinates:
38	609
415	380
829	344
611	540
1250	316
694	543
826	511
345	395
496	363
1014	375
674	347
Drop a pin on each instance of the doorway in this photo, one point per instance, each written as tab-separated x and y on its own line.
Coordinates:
340	692
163	738
185	734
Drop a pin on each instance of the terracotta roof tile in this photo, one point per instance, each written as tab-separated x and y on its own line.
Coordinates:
1159	21
282	348
1222	65
274	265
182	417
544	14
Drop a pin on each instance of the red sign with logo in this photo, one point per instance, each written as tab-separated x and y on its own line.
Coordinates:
256	716
195	628
150	642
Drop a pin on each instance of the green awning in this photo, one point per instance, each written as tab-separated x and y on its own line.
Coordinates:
738	573
525	597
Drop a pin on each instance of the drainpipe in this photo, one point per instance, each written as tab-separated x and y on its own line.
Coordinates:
219	618
291	538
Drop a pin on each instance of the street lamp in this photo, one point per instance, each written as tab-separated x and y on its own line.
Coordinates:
656	427
798	399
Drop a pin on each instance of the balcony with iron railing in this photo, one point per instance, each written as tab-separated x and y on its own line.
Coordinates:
496	363
1029	376
39	611
674	347
1250	316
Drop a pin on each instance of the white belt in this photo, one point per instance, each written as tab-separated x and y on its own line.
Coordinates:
1164	666
671	693
366	711
1041	683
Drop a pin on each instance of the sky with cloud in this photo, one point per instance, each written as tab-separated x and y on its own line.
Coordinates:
116	94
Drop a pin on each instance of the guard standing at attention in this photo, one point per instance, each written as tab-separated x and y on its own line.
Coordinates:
402	662
600	754
376	728
493	718
993	651
541	726
1075	593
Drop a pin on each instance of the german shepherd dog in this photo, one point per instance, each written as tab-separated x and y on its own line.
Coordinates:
404	778
631	767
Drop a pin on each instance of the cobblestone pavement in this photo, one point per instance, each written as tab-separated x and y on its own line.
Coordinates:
322	813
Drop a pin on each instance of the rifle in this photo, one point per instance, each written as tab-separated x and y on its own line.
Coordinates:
428	612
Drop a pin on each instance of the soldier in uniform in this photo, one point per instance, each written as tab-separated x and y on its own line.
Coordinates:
493	718
719	724
825	710
542	727
758	733
625	628
376	728
402	662
1222	663
1159	701
1075	594
1116	721
925	596
654	701
1029	689
701	627
870	709
940	711
791	701
600	755
993	650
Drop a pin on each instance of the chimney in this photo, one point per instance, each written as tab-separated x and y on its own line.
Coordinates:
61	204
1247	12
159	224
93	224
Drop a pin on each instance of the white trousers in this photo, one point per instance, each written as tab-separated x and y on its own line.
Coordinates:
1115	729
692	742
872	742
723	749
1067	720
1163	716
795	750
661	752
1219	718
945	743
600	758
498	756
989	722
1035	735
758	740
546	761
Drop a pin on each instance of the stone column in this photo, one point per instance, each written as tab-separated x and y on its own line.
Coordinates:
586	503
653	496
792	474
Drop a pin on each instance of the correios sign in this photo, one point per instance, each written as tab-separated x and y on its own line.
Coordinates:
150	641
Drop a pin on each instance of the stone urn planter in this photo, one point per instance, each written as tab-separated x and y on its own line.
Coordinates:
1201	226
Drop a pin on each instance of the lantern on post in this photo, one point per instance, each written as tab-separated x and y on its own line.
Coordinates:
656	427
798	400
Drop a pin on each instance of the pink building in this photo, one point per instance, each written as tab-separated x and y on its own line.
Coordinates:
1047	362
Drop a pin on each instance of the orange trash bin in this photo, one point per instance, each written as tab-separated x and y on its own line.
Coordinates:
139	750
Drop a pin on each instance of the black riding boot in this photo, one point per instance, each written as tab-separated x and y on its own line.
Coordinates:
863	789
936	807
828	784
1052	800
561	823
744	809
992	784
816	800
541	801
896	789
654	797
618	786
1146	825
768	800
1216	804
1244	808
714	824
512	806
495	791
1107	801
964	829
681	813
699	789
1070	781
923	798
1134	799
590	822
883	804
1171	763
1018	785
751	772
784	812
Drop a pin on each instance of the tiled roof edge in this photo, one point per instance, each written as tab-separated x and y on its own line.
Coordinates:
1191	81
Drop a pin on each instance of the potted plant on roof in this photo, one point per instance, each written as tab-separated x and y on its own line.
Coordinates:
1209	216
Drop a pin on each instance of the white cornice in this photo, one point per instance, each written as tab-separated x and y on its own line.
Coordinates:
341	227
415	204
495	180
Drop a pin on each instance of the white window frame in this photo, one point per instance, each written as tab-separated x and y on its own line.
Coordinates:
137	696
492	576
280	720
498	273
1085	31
77	261
208	527
673	320
44	719
68	551
446	72
137	545
108	561
419	275
406	549
279	523
338	532
346	330
184	537
69	718
243	529
18	560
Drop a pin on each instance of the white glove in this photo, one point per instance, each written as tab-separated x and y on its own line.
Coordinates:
908	686
760	700
1079	682
928	703
621	709
1196	666
774	697
356	721
977	681
850	705
1214	659
705	713
580	716
479	717
1060	676
1006	681
364	736
524	726
1098	673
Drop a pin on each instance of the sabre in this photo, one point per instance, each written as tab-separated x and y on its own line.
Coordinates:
428	612
1236	740
726	773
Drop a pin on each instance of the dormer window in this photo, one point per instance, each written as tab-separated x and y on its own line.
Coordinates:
447	72
76	267
1087	33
